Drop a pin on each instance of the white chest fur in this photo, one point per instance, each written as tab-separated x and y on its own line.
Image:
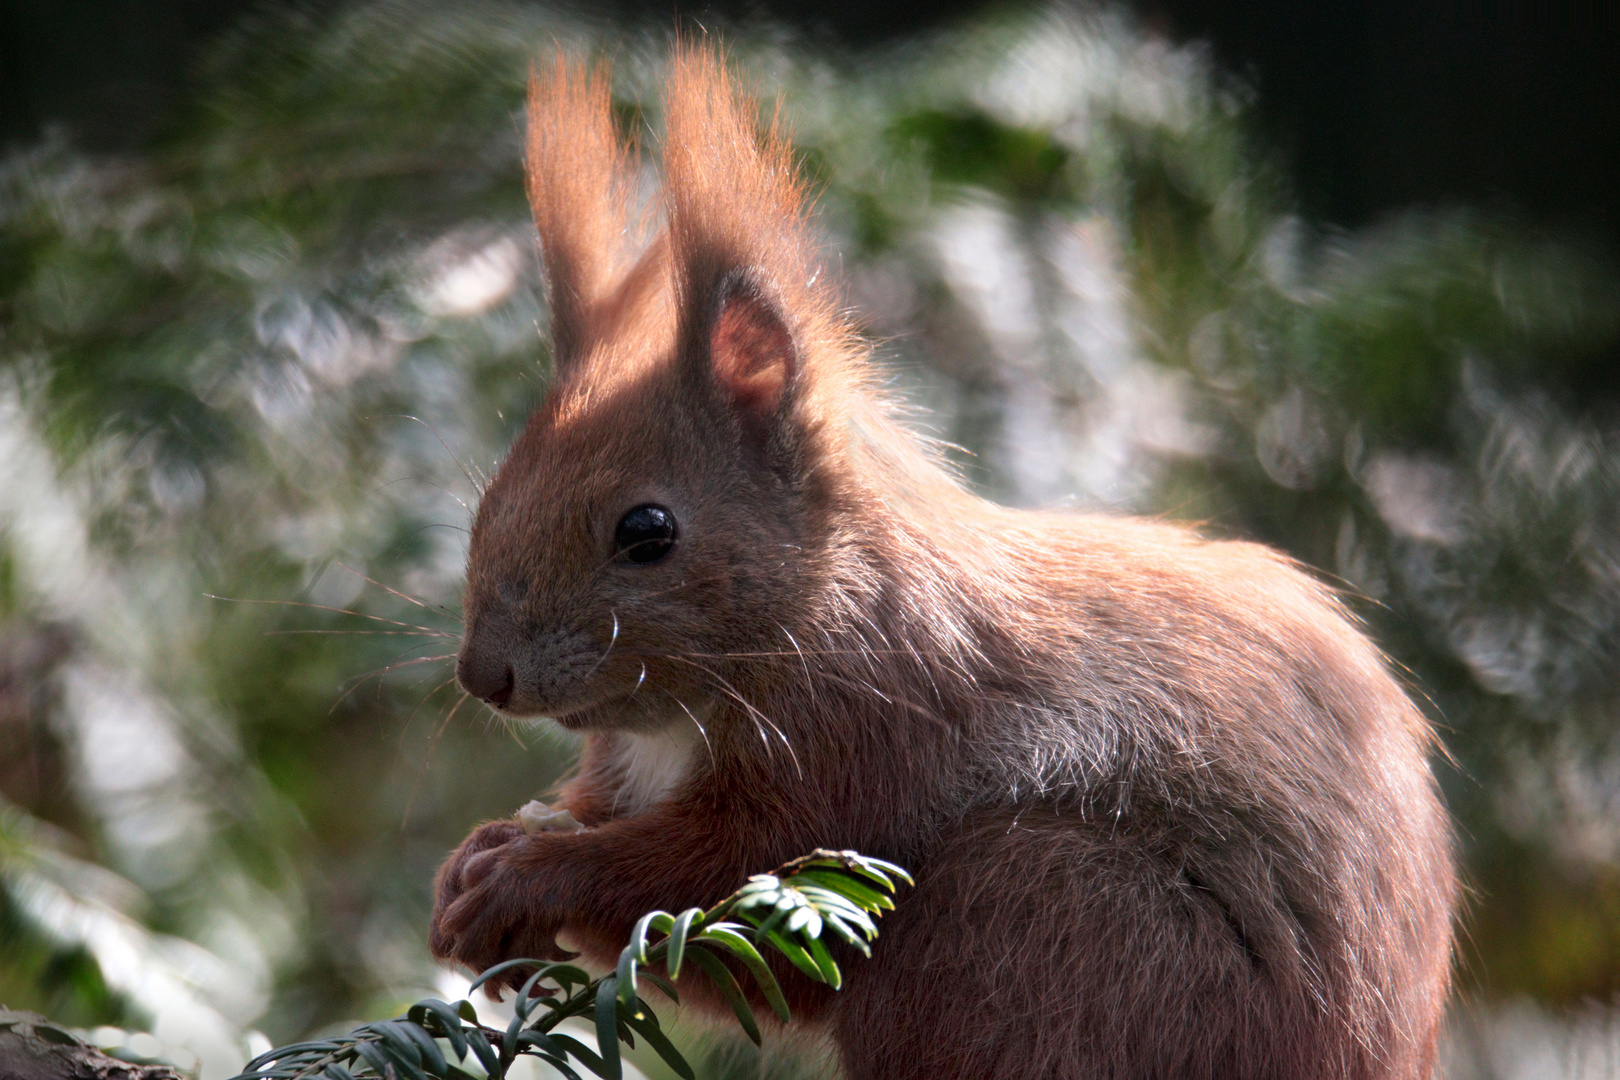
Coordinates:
653	765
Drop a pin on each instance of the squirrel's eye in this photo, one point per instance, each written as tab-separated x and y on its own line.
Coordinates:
646	534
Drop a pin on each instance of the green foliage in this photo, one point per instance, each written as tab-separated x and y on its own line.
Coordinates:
970	148
788	911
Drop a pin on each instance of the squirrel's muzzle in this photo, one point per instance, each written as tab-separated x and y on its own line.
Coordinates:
486	676
505	662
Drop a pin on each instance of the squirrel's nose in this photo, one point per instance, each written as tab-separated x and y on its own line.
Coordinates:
485	678
502	693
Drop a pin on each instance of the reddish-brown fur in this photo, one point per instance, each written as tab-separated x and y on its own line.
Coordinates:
1169	813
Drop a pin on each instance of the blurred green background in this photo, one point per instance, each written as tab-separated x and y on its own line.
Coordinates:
270	307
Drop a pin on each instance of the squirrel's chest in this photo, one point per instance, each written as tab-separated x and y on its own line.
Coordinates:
651	766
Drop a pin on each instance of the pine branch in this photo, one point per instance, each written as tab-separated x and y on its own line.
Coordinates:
789	911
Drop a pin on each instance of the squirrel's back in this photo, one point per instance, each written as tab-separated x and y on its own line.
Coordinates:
1183	771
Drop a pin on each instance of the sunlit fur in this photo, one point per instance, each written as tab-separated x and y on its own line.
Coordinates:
1169	813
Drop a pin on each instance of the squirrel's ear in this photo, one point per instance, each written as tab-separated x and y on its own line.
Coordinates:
752	355
580	180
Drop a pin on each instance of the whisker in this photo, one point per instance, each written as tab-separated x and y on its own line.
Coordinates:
337	610
360	680
480	484
406	652
767	654
775	654
611	642
684	583
454	496
403	596
905	703
427	759
417	660
439	525
695	723
363	633
424	483
511	727
736	695
848	681
809	680
410	719
792	753
730	692
416	685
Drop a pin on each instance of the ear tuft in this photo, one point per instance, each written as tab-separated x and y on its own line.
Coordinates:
580	179
751	351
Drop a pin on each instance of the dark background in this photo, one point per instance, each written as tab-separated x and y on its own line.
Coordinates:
1377	104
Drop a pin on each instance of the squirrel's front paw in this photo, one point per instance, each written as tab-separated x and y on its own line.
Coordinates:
471	862
487	909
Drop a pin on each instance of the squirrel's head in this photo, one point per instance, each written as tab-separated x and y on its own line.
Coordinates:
658	516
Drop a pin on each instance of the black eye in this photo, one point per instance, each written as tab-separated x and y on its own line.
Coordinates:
646	534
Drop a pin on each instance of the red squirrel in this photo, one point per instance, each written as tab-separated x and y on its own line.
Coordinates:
1168	811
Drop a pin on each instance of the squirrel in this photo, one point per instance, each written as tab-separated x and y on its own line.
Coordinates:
1168	811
